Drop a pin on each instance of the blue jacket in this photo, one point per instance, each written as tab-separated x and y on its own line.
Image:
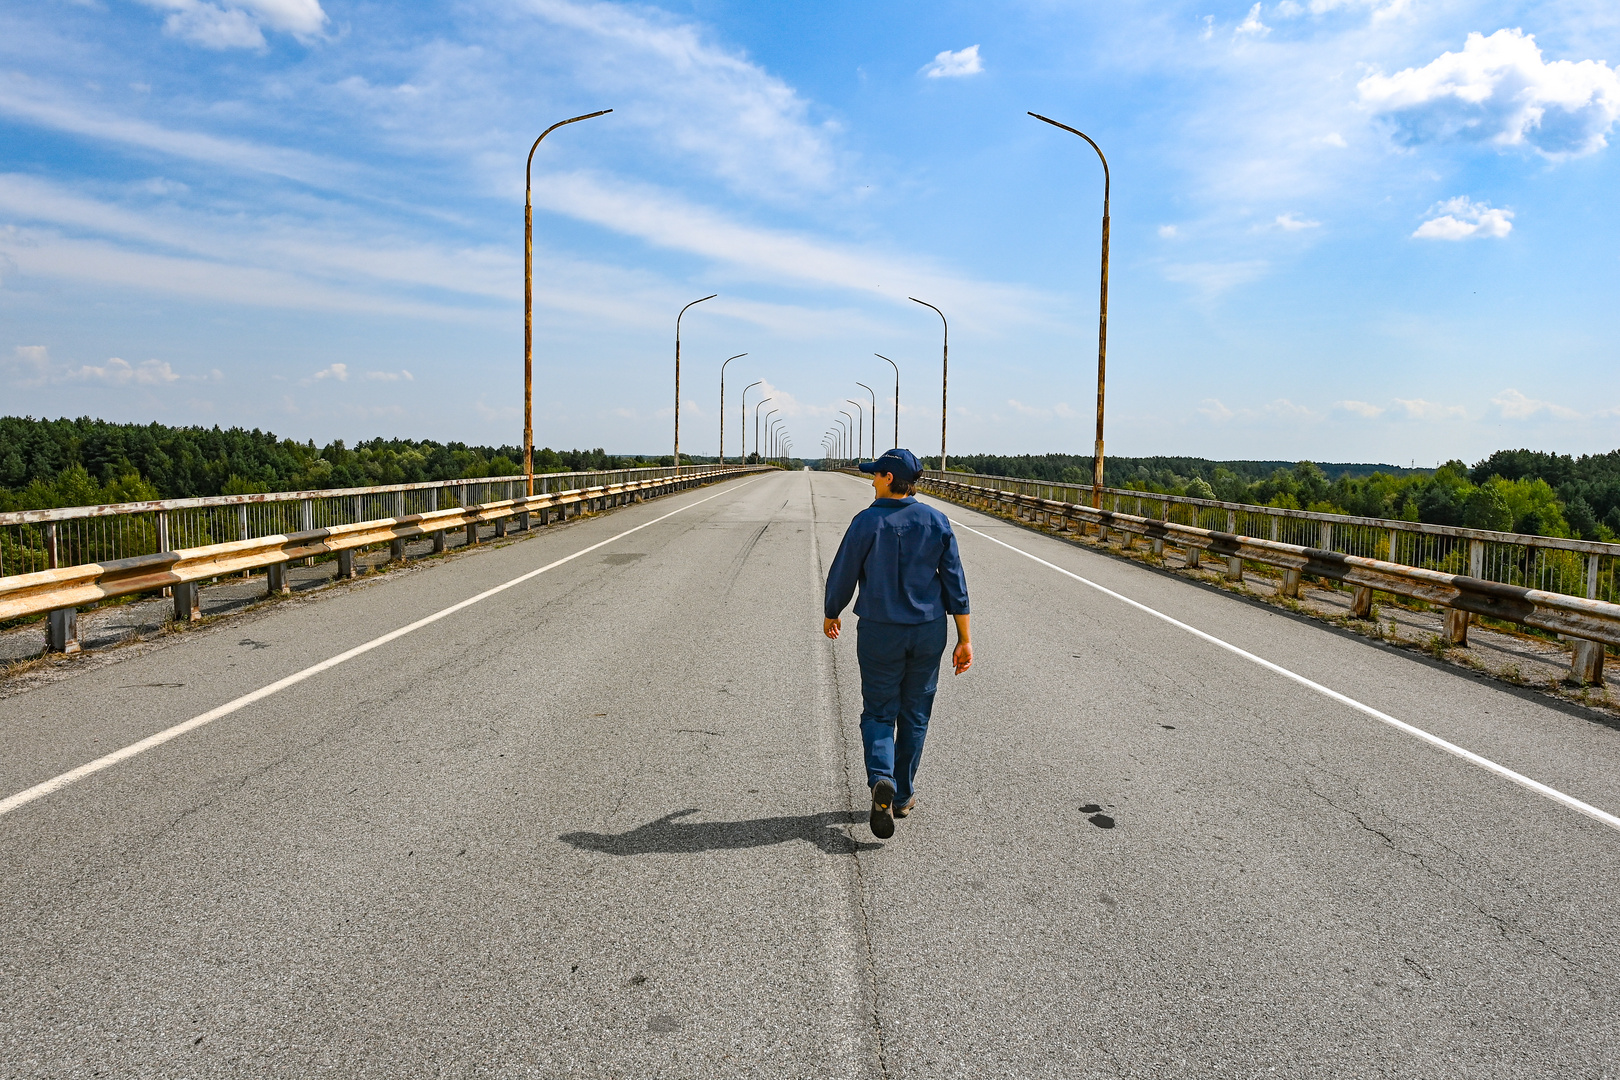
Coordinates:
903	555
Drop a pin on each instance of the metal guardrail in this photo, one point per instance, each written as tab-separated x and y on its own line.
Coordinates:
1586	568
1592	622
60	590
33	540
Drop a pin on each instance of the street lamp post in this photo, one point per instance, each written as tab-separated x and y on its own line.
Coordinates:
944	376
873	396
700	300
757	404
860	424
1102	314
843	438
723	367
850	431
896	367
742	421
528	295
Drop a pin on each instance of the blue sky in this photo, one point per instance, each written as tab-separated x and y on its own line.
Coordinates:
1342	229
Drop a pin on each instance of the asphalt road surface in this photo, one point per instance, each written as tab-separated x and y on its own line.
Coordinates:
610	821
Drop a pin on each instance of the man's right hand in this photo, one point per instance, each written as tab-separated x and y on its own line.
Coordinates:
830	627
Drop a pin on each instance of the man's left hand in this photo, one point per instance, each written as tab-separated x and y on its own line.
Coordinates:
830	627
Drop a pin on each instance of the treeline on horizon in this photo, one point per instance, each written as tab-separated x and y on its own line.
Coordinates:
85	462
1524	491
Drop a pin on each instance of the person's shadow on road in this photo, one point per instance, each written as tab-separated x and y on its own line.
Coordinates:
670	836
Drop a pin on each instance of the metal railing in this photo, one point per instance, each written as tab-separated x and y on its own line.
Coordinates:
33	540
1591	621
1587	568
59	590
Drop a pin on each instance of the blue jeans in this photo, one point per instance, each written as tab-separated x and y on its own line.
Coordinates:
899	674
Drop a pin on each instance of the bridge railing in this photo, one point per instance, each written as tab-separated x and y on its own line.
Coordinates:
1558	585
176	544
32	540
1588	568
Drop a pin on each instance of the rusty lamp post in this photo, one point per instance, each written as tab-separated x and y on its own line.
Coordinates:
742	421
739	356
944	377
757	404
699	300
896	367
528	296
1102	315
873	396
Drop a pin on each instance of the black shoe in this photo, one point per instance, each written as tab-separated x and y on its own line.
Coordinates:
883	809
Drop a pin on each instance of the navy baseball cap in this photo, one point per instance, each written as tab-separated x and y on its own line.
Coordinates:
901	464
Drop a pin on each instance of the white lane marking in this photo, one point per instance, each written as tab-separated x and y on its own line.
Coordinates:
57	783
1469	756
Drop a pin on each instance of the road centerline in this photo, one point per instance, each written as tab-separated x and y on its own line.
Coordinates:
1478	760
90	768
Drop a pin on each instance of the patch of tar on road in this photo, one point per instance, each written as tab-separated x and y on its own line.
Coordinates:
257	645
623	558
1097	817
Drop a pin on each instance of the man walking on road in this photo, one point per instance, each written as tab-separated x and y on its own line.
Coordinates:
903	556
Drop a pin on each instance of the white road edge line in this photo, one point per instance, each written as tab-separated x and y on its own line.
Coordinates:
1469	756
57	783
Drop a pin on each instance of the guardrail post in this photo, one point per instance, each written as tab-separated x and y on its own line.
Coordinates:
1195	557
1586	662
345	564
472	533
1234	568
1394	545
62	631
1476	558
1325	538
276	579
1361	603
187	602
1290	586
1456	631
163	543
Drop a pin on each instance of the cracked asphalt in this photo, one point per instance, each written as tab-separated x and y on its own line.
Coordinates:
611	822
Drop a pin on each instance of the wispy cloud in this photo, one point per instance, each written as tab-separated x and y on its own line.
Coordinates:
120	372
1211	279
48	108
1463	219
1499	91
708	102
1252	26
954	65
1513	405
1294	223
237	24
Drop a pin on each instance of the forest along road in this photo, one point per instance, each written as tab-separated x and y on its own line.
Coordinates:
610	821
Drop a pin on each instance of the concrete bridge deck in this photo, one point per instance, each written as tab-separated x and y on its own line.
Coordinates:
609	821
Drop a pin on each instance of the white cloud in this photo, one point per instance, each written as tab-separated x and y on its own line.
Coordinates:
659	218
1333	139
118	372
1294	223
1363	409
1463	219
1381	9
30	365
1418	409
1211	279
952	65
1212	408
724	111
29	102
1252	26
236	24
385	376
1168	232
1061	410
1516	406
1499	91
336	372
